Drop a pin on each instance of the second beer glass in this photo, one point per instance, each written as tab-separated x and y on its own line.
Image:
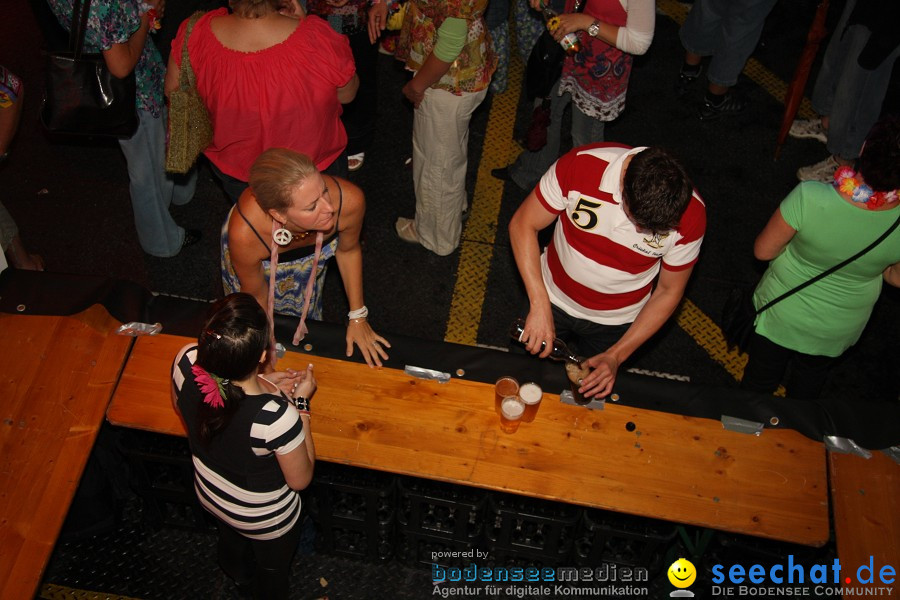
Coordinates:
530	394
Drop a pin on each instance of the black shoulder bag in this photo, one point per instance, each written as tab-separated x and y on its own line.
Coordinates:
545	62
739	315
82	97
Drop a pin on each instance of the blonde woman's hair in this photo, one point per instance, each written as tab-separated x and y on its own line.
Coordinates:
276	173
253	9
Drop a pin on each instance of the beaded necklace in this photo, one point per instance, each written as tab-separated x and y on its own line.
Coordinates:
849	182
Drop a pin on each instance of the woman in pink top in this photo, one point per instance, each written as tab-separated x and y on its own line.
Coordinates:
268	80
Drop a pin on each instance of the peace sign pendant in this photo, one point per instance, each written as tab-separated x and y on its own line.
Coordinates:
282	236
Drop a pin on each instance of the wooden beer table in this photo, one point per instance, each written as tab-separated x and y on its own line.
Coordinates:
57	375
684	469
866	496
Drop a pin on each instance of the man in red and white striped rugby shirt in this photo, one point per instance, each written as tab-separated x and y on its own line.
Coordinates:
626	218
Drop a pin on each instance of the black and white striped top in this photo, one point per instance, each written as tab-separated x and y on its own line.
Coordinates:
236	475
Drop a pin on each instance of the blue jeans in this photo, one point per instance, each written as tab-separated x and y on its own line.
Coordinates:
847	94
153	190
726	29
531	166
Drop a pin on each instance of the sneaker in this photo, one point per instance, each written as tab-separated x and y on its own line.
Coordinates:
686	80
810	129
406	230
501	173
821	171
191	237
730	104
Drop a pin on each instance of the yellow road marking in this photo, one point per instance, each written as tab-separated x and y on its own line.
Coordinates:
477	244
709	336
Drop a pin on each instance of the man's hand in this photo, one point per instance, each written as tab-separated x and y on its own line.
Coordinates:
599	382
539	332
377	20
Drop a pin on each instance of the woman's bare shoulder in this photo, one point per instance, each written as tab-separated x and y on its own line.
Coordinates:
351	193
246	225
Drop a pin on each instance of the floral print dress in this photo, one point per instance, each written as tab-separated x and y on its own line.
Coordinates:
472	69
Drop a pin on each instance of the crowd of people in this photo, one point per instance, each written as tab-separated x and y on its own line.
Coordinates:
290	88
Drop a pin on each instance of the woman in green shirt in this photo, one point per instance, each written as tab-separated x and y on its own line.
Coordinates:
816	227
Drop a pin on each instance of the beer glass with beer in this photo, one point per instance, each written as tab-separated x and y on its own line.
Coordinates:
511	411
505	386
530	394
576	372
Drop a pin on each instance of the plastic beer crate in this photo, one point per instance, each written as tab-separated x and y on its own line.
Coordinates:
353	510
441	509
606	536
531	528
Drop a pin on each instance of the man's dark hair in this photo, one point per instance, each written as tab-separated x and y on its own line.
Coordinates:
656	190
880	159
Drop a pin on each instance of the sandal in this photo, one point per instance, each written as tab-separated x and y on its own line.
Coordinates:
355	161
406	230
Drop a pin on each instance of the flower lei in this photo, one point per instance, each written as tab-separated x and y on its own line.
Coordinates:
212	386
847	181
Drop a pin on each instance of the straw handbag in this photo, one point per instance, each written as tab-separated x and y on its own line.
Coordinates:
190	131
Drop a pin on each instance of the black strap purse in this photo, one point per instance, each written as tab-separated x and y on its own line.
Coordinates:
82	97
739	315
545	63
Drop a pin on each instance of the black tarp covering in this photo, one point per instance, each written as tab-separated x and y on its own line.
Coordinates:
870	423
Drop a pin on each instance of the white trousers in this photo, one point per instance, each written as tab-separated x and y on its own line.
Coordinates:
440	157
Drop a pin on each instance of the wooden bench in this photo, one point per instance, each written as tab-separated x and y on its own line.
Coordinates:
866	496
684	469
58	374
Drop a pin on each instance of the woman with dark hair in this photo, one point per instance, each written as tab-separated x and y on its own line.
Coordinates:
268	79
251	443
818	226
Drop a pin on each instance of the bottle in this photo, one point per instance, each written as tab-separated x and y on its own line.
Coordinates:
559	352
570	42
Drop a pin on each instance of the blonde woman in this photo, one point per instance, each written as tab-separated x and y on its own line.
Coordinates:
289	196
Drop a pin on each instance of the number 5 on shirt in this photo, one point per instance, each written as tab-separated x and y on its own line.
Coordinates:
584	214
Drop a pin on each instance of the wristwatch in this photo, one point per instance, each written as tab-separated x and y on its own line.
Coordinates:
594	29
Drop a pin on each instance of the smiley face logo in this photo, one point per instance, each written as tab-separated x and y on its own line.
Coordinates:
682	573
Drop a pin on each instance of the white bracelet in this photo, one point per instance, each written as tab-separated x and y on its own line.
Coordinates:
359	313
